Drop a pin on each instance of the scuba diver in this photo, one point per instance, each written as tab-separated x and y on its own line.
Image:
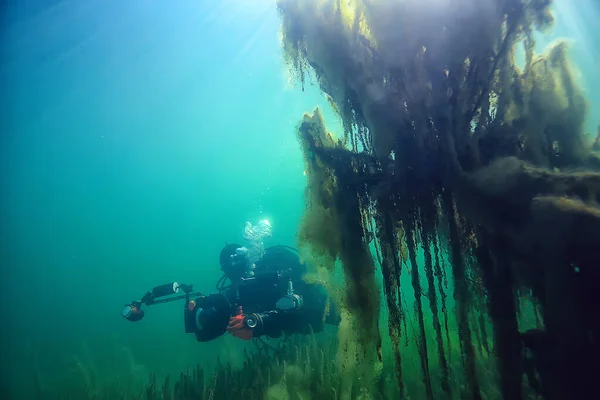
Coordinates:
261	293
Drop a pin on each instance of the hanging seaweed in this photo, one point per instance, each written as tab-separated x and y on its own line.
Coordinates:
343	237
479	300
462	302
391	269
431	295
362	293
421	343
443	125
440	276
498	281
483	329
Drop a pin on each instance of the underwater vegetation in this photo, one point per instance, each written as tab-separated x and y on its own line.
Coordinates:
451	147
303	367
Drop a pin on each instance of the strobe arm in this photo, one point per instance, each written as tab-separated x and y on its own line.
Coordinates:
133	312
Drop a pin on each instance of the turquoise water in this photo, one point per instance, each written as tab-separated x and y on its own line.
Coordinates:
137	138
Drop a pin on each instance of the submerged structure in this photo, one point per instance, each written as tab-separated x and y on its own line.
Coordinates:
464	171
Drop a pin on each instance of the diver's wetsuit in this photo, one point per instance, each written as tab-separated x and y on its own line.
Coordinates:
259	294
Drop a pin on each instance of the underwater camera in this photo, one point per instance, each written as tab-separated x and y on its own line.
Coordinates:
206	316
133	311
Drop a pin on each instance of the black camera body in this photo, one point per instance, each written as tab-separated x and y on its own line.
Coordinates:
207	316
